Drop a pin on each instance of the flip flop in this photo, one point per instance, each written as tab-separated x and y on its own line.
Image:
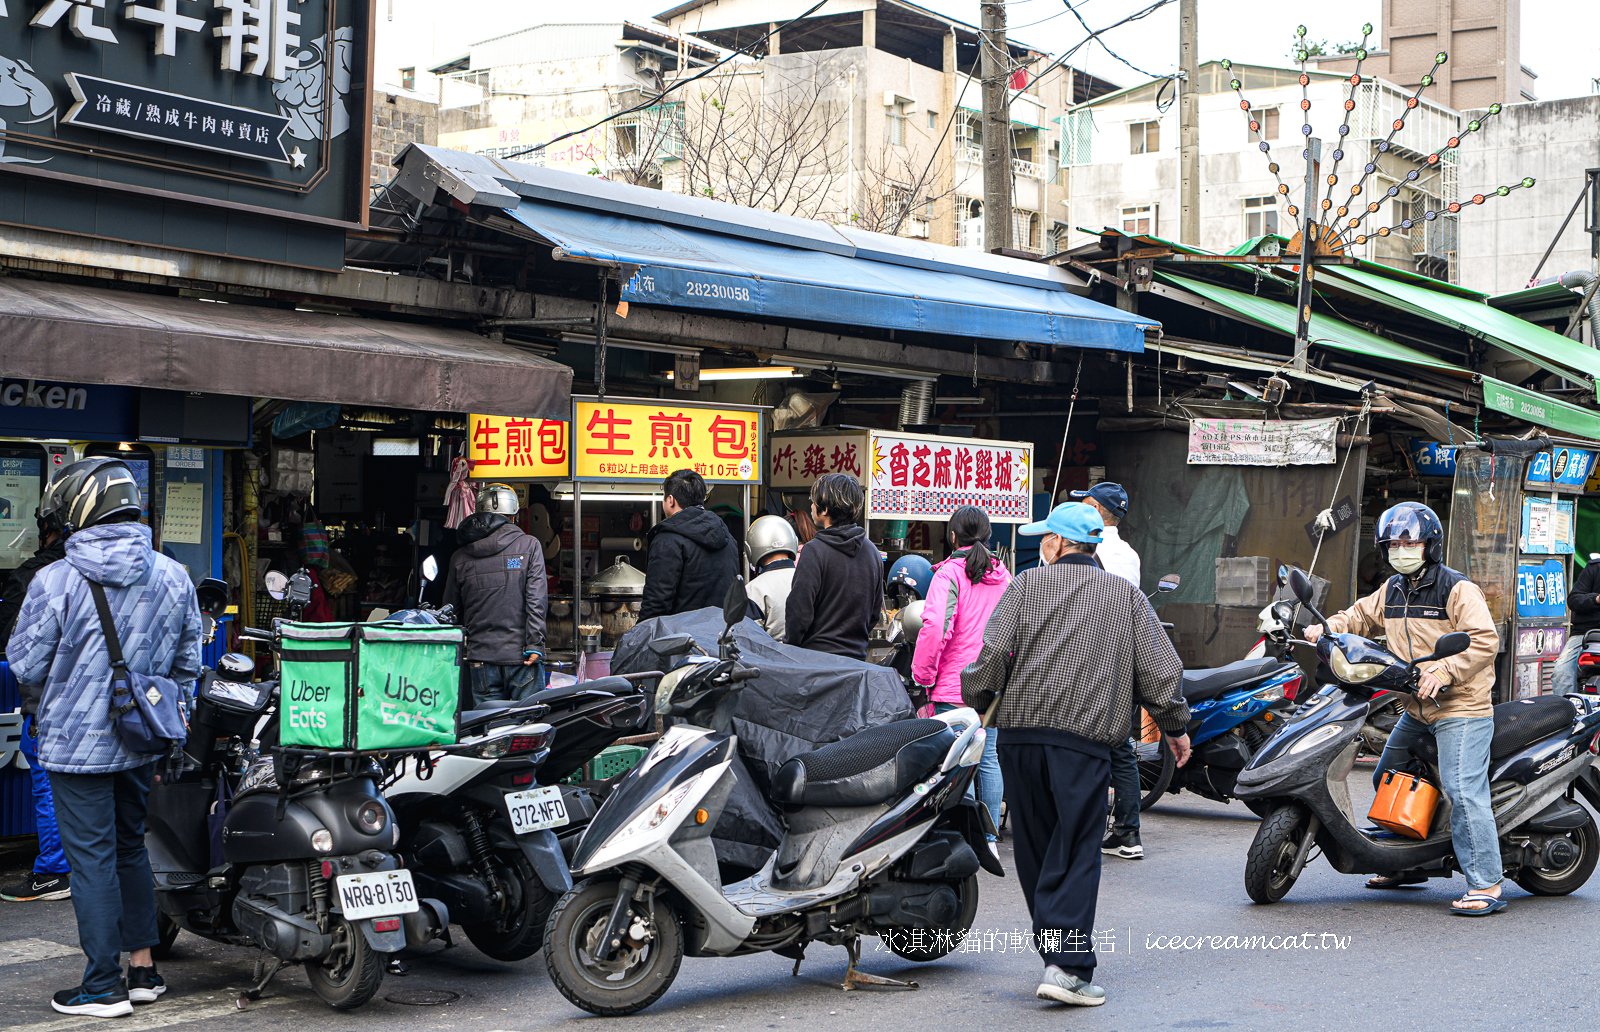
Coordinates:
1395	881
1496	904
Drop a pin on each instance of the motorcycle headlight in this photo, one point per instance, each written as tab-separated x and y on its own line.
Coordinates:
1318	737
1352	673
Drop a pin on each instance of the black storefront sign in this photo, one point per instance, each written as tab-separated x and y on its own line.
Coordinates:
120	107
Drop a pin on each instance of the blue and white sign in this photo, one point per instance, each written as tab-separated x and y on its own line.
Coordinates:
1433	459
1561	468
1542	589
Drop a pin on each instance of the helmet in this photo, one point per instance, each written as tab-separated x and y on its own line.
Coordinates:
911	621
771	534
498	498
90	492
910	575
1408	524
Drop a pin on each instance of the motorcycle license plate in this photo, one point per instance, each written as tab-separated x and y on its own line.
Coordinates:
537	809
382	894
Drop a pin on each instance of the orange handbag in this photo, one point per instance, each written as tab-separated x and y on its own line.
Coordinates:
1404	805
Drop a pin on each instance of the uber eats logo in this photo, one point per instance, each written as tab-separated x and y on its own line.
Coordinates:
302	693
409	704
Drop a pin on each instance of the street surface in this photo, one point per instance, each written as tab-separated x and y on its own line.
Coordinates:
1336	957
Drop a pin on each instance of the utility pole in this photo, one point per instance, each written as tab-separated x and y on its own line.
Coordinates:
1308	250
996	130
1188	123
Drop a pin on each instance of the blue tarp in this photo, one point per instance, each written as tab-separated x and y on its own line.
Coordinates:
688	268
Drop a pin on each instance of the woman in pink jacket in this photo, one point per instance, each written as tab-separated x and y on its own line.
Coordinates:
965	590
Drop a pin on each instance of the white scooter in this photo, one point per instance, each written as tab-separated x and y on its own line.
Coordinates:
880	841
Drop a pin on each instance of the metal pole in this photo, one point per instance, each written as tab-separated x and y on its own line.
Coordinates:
599	345
577	576
1013	549
1188	123
996	130
1308	250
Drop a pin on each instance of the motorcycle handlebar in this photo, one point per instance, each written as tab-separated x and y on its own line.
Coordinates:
743	674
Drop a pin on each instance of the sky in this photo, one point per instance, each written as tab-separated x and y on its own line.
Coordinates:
1560	39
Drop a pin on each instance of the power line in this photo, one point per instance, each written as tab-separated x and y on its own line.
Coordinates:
642	105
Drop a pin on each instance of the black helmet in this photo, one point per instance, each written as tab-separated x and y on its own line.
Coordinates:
1411	523
91	492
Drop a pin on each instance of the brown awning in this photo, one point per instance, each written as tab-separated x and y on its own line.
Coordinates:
58	331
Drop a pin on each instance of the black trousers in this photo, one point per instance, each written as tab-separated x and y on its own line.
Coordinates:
1056	799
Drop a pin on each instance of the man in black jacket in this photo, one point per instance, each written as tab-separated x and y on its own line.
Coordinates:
497	584
693	558
1584	603
837	595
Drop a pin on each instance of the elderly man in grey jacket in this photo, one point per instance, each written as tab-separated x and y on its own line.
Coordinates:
1069	651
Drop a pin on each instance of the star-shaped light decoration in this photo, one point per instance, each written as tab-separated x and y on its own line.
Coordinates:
297	158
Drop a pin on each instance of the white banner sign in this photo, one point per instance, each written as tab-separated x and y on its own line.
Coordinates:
1256	442
927	478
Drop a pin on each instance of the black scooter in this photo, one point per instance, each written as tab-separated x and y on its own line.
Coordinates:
1542	755
290	853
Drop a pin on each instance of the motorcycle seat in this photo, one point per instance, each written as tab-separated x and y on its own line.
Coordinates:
1203	685
610	685
868	768
1517	725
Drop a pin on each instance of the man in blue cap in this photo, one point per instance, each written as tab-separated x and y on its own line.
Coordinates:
1069	651
1118	557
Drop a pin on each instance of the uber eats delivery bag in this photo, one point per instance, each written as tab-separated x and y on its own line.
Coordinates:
368	686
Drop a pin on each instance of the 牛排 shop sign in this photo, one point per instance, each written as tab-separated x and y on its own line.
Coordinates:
629	439
196	124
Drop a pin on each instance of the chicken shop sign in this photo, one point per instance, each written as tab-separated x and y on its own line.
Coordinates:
918	477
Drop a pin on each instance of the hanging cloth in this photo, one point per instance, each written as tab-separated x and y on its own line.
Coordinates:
460	499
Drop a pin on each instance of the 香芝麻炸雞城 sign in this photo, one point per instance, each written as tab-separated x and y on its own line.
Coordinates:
517	448
630	439
918	477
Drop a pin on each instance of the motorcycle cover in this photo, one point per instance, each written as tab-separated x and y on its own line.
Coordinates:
801	701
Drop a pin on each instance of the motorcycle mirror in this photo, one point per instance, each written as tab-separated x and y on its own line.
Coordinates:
1301	586
277	584
430	569
208	625
673	645
1283	574
1451	644
1169	583
212	594
735	603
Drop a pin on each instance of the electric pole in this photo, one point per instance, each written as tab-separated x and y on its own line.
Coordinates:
1188	123
994	63
1309	238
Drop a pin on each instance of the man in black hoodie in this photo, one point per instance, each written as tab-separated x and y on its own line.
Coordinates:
693	558
497	584
837	595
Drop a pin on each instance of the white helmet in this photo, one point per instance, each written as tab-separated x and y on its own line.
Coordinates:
771	534
911	620
498	498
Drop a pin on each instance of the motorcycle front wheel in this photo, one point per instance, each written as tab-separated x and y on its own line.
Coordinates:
350	974
518	933
934	944
1269	865
634	977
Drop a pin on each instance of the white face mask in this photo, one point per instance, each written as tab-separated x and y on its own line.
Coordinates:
1406	559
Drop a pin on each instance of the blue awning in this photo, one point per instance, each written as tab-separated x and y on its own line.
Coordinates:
681	267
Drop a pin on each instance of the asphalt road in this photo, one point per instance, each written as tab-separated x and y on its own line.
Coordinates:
1347	959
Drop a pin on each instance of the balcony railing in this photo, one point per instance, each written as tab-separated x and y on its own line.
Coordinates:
973	155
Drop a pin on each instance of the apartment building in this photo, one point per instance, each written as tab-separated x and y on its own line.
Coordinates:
1120	158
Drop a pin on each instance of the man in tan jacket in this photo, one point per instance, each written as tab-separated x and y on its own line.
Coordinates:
1423	602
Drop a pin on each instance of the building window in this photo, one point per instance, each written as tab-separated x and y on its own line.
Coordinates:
1139	219
898	114
1144	137
1267	118
1260	216
626	139
408	78
933	120
1024	229
1077	137
969	223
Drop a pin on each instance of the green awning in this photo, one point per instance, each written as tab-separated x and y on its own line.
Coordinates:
1548	350
1541	409
1325	329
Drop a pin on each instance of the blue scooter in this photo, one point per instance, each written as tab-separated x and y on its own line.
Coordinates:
1233	710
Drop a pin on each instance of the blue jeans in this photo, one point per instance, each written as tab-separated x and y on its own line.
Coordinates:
514	681
1564	681
102	828
51	859
991	787
1463	744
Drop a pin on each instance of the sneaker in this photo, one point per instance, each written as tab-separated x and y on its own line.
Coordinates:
111	1004
144	984
1126	846
1060	987
39	887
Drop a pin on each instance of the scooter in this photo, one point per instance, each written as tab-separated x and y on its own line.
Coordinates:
1542	755
291	853
879	841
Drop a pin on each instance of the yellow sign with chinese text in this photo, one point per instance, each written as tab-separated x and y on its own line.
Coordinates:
509	448
646	440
